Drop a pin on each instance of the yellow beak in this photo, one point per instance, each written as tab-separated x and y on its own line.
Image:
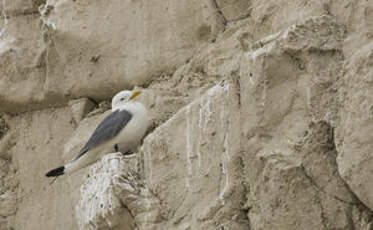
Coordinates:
135	94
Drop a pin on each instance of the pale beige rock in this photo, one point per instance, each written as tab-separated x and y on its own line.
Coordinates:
22	54
8	193
39	140
357	16
269	17
114	196
282	143
98	207
81	107
3	127
8	204
355	132
234	10
291	160
171	91
198	189
22	64
6	144
130	188
85	58
15	8
95	59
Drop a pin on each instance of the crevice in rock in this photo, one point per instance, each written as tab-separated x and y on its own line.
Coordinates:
220	12
3	126
20	13
8	186
317	187
237	82
161	206
321	139
243	17
38	3
245	208
124	206
34	10
358	203
317	197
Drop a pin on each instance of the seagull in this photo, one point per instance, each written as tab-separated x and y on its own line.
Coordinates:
122	130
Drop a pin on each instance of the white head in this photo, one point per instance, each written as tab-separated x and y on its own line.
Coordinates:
123	97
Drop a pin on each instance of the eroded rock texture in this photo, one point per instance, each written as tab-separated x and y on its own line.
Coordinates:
260	113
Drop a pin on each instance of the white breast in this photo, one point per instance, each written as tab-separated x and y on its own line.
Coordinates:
130	137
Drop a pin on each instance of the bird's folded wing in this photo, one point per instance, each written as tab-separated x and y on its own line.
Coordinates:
106	130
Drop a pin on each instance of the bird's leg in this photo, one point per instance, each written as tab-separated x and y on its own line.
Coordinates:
116	147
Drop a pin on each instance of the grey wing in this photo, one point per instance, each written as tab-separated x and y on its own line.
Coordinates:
106	130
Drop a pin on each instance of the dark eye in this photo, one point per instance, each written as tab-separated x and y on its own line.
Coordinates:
122	99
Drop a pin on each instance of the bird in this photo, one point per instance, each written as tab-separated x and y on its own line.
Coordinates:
122	131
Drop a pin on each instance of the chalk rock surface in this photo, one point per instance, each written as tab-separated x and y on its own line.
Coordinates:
260	114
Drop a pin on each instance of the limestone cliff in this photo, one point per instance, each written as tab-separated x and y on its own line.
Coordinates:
260	112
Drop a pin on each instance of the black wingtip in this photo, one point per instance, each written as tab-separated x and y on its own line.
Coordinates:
56	172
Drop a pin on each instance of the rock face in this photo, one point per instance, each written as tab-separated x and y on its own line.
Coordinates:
94	49
260	114
205	189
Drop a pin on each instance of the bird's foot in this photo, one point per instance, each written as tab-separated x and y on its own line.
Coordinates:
116	148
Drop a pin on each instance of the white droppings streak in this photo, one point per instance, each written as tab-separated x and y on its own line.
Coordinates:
258	52
188	146
201	114
44	14
308	96
147	206
97	199
225	156
6	41
204	118
148	162
5	45
225	160
199	151
205	114
205	109
5	26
